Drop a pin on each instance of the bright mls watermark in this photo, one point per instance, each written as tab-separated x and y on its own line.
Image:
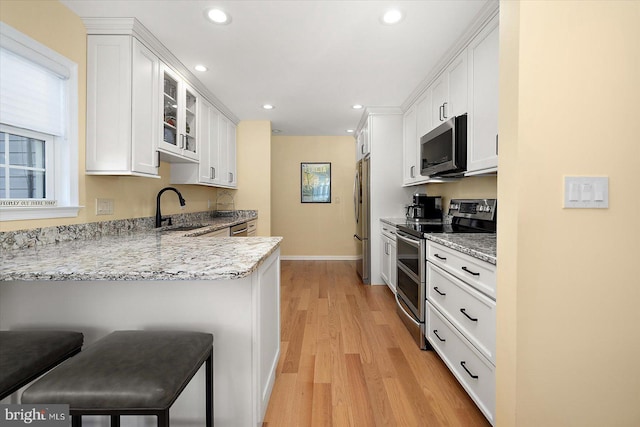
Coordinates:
35	415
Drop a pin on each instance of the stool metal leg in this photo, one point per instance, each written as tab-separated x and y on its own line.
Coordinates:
163	418
115	420
76	420
209	391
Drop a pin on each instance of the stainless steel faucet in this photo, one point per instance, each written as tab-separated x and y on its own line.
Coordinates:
159	218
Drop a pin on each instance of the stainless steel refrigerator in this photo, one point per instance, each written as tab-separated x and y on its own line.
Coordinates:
362	213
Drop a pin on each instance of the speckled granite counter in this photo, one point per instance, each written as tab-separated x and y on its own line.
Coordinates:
478	245
393	221
145	255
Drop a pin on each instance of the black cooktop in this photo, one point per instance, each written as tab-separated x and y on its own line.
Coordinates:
469	216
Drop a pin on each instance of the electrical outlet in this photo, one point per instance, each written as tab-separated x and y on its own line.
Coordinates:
104	206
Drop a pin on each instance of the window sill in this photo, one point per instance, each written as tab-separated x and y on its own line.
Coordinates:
17	214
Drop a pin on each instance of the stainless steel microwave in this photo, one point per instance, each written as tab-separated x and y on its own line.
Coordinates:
443	151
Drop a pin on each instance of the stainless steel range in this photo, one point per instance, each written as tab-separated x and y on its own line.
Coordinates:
468	216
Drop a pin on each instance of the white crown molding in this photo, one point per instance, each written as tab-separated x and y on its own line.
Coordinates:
376	111
133	27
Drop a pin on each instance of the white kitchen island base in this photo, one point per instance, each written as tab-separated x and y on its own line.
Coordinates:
243	314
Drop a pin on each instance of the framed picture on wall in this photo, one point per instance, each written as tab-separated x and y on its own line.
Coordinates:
315	182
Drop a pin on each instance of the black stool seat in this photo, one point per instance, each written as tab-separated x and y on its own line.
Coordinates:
127	373
25	355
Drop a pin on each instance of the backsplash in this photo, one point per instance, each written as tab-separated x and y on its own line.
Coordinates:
20	239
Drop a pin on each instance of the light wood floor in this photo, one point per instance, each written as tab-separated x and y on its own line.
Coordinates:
347	360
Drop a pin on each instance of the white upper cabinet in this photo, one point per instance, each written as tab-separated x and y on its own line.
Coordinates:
410	155
482	144
217	152
467	85
144	106
449	92
363	143
226	154
179	112
122	107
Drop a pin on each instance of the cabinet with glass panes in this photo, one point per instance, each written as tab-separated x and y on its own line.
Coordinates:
179	108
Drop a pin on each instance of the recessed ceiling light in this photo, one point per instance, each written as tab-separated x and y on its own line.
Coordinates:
357	107
217	16
350	131
268	107
392	16
200	68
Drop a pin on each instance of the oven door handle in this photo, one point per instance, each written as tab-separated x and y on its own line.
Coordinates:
405	311
413	242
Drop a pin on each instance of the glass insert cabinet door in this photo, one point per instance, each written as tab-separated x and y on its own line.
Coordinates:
180	106
170	109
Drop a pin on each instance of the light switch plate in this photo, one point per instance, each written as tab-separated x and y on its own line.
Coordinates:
586	192
104	206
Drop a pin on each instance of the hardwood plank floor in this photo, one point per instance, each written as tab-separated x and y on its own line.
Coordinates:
347	360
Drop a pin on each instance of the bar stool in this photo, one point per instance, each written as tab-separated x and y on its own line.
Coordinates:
129	373
25	355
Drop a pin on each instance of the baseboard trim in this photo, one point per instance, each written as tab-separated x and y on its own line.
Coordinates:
319	257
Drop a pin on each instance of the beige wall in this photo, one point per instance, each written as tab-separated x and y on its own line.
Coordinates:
52	24
254	171
474	187
313	229
568	287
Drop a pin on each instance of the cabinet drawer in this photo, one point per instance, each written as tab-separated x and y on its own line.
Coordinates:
388	230
479	274
472	370
251	226
473	313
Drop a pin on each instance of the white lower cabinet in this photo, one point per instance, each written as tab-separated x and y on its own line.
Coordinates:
461	319
388	256
472	369
252	228
471	312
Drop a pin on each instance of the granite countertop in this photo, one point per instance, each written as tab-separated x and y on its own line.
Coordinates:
145	255
481	246
393	221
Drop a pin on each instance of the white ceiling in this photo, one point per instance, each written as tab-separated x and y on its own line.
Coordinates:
311	59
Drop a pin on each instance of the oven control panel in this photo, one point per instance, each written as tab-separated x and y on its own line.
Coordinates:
473	208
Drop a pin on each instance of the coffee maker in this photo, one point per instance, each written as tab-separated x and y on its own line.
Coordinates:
425	208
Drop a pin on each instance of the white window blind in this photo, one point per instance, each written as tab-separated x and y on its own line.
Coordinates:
31	96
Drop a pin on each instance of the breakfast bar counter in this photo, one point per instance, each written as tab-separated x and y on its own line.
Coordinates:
228	286
150	255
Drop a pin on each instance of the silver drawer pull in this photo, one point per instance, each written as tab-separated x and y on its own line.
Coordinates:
435	332
463	311
463	363
470	272
435	288
440	257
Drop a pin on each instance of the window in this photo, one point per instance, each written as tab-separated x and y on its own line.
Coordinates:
38	130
